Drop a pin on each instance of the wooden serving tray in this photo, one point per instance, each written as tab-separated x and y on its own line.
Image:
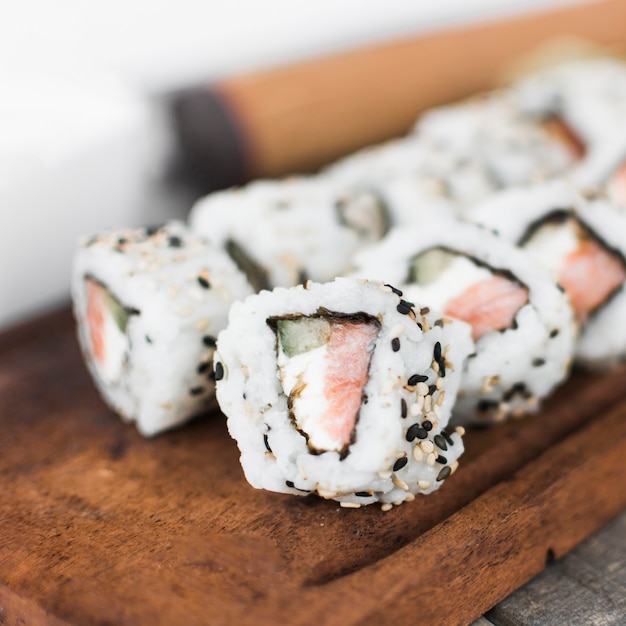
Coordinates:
101	526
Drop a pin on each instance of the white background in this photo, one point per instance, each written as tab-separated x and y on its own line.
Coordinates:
80	148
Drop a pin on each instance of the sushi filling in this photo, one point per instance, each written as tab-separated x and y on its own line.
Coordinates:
323	365
617	186
559	130
365	213
107	320
465	289
589	272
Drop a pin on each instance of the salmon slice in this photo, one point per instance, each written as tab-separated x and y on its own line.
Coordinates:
488	305
564	134
589	275
347	365
96	318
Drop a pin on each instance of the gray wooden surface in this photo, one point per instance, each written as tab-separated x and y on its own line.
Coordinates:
587	587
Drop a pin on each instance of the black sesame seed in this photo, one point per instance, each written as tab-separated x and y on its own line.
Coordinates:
444	473
417	378
424	311
148	340
422	433
219	371
486	405
427	425
203	367
411	433
432	389
403	408
289	484
395	344
439	323
442	367
437	352
448	438
204	282
151	230
404	307
538	362
196	391
362	494
122	240
554	333
420	326
440	442
442	460
396	291
174	241
400	463
266	442
209	341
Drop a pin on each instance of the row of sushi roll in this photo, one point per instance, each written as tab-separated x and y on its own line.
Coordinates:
352	323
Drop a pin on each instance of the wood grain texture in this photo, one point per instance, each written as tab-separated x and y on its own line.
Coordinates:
101	526
301	117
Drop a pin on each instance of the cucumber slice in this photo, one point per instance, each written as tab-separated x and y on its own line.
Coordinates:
119	313
300	335
425	268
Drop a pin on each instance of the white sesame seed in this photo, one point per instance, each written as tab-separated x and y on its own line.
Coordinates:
427	446
460	430
430	459
350	505
421	389
418	455
440	383
202	323
387	506
415	410
398	482
423	484
428	401
453	467
184	311
396	331
409	497
384	474
439	401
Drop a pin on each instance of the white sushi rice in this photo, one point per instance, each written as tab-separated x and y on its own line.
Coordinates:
177	291
292	229
513	369
277	456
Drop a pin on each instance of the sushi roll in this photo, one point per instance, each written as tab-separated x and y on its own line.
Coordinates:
494	135
522	324
283	232
582	242
341	389
149	304
582	104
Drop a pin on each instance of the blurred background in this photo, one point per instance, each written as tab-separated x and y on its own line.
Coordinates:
99	108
